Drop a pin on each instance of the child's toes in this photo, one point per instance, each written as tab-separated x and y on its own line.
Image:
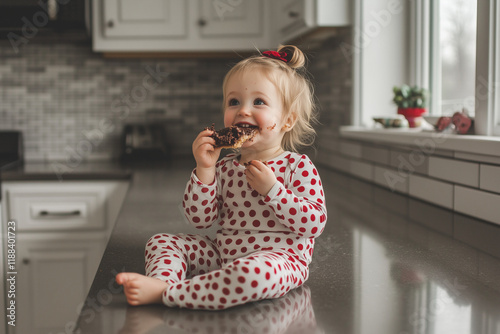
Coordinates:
121	278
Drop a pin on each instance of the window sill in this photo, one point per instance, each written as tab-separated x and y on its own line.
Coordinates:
486	145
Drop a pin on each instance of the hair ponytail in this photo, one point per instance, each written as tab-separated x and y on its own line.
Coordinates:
296	58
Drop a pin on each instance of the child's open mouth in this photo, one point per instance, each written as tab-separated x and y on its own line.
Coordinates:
246	126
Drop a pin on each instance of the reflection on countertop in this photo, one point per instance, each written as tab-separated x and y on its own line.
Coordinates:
291	314
377	268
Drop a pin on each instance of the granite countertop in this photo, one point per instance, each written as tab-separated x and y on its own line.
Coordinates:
56	171
377	268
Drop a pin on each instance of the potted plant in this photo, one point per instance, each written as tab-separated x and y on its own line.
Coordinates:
411	102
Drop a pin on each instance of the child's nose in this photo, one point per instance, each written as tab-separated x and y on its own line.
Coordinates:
244	110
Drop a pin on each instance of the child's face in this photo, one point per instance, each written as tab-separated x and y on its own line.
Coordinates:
251	98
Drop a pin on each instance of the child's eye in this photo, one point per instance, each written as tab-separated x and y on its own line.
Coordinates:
233	102
259	102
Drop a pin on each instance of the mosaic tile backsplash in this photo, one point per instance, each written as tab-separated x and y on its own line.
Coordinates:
71	103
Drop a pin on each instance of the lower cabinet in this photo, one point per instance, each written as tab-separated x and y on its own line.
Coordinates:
53	280
60	231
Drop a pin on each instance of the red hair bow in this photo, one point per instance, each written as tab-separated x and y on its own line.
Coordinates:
276	55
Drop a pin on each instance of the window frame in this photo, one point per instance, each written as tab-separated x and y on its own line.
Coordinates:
426	64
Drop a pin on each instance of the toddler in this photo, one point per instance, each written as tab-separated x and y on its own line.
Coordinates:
267	199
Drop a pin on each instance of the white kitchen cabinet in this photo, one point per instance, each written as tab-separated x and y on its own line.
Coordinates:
53	279
181	25
145	18
231	18
294	18
61	231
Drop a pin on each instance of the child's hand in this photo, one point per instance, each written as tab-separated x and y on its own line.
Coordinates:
206	156
260	177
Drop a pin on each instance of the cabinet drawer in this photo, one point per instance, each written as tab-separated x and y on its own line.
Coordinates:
57	207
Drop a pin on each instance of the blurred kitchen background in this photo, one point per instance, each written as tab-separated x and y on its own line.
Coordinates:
58	91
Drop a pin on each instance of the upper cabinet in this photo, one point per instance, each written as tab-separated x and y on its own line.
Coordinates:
180	25
295	18
208	25
145	18
241	19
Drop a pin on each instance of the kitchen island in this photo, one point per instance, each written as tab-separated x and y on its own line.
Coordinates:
385	263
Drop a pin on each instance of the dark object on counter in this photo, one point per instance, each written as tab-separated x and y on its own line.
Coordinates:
11	149
145	142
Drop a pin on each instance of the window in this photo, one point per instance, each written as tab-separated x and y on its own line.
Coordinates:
457	43
456	55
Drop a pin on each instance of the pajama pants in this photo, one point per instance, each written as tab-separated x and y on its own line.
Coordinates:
200	279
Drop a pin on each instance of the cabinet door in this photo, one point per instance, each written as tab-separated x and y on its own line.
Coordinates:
231	18
148	18
293	16
53	279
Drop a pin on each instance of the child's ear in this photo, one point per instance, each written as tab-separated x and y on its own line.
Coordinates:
289	122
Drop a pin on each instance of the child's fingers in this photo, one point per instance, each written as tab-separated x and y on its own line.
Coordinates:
203	139
252	170
258	165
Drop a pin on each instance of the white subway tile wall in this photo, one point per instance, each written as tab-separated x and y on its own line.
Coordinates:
477	203
469	187
362	169
440	193
391	178
72	103
456	171
490	178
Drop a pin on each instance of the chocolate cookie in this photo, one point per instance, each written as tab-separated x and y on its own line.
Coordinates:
233	136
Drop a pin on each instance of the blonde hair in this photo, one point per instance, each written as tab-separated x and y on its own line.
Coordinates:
295	88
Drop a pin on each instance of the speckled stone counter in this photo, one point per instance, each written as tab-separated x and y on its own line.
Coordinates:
382	265
54	171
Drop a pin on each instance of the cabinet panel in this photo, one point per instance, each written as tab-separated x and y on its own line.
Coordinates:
42	207
294	18
149	18
291	15
234	17
52	281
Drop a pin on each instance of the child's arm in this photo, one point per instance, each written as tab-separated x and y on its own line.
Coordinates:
206	156
201	190
300	205
199	203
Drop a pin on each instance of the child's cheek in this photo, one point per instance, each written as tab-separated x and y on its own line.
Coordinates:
227	119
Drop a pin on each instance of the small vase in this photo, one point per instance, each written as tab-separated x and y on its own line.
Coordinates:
413	116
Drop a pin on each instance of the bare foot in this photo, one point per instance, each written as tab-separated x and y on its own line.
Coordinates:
140	289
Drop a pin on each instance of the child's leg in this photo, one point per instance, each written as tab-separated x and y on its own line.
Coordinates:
172	258
169	259
260	275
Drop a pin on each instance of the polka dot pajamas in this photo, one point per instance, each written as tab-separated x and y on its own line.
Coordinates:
264	245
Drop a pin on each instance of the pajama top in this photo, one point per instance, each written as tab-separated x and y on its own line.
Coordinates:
289	217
